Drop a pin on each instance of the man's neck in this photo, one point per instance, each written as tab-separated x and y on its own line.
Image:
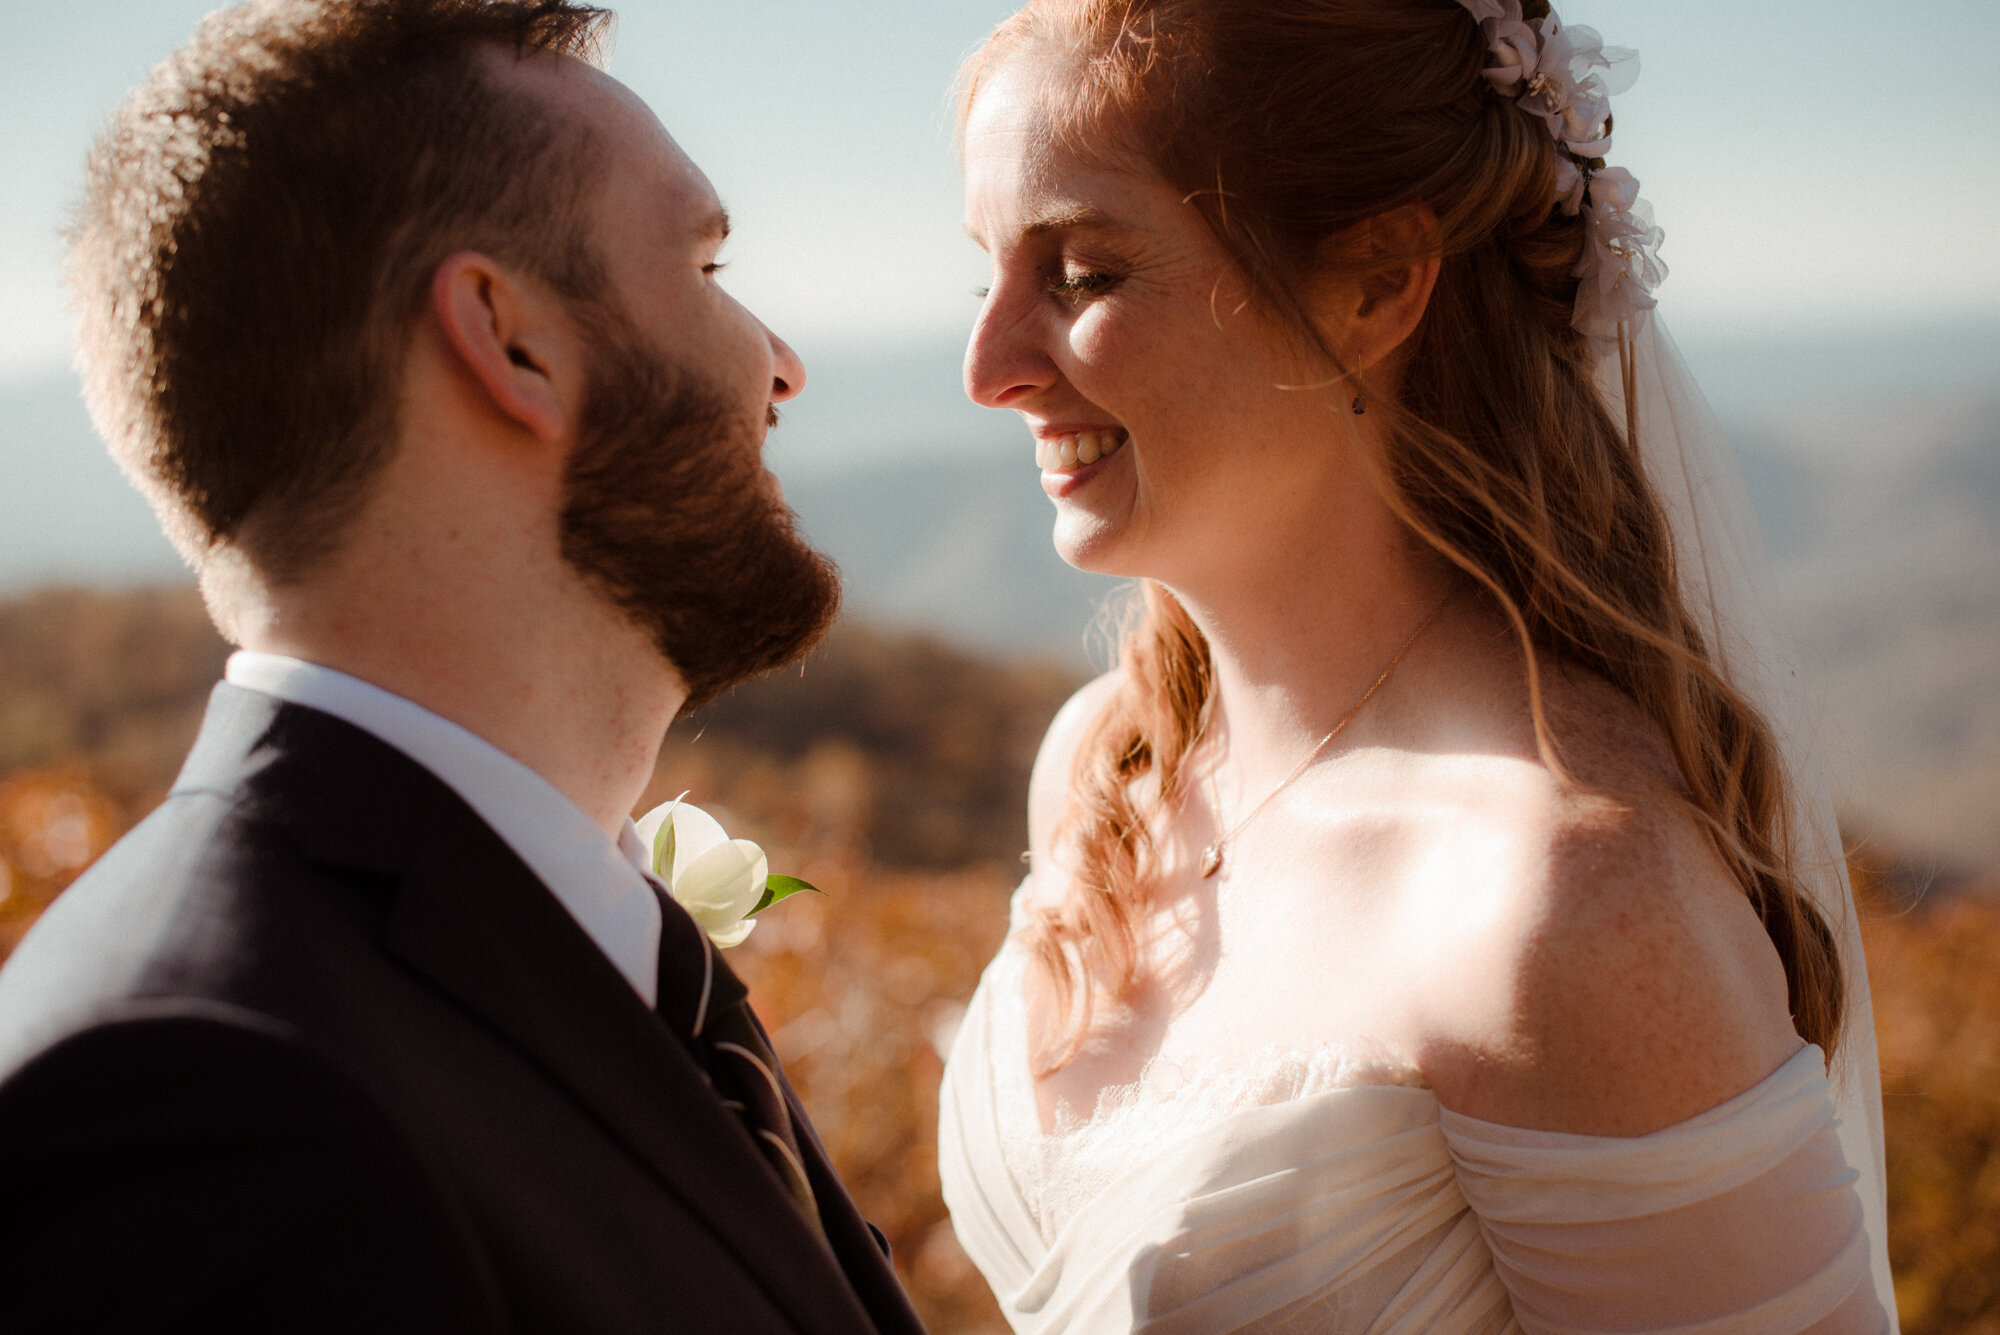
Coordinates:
561	681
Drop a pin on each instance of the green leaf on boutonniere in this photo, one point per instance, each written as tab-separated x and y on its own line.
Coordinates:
663	849
663	842
780	888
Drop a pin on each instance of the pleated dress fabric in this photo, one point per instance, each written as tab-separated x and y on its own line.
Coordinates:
1327	1191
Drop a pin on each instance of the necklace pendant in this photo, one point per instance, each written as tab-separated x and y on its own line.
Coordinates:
1211	860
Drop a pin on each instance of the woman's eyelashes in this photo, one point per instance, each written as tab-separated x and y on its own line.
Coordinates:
1070	286
1082	284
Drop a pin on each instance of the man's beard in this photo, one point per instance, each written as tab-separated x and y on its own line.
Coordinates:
668	510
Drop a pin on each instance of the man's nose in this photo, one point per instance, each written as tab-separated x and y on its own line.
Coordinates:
788	373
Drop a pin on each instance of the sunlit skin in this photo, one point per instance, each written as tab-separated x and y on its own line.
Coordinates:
1541	957
449	588
1094	284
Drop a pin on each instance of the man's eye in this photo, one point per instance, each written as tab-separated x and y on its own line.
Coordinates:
982	292
714	267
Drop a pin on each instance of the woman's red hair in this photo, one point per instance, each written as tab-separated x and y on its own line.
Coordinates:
1287	124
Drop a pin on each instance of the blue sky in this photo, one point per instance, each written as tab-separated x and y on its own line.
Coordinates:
1832	164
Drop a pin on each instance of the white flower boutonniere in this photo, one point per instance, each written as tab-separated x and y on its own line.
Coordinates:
723	883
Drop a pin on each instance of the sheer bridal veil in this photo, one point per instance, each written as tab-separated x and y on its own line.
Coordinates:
1565	77
1728	583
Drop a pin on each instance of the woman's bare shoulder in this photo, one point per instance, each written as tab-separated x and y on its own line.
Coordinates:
1604	974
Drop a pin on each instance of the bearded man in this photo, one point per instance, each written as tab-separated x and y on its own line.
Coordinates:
405	318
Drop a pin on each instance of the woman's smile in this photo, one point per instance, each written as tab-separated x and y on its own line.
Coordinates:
1070	457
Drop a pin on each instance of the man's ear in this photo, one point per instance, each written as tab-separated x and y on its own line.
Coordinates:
1393	259
512	340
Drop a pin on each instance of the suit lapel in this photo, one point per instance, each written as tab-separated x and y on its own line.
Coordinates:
485	931
473	920
852	1237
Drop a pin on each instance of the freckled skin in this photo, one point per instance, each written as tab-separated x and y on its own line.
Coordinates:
1170	299
1565	959
1544	959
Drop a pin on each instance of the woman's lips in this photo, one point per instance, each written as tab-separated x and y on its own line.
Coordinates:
1067	451
1070	459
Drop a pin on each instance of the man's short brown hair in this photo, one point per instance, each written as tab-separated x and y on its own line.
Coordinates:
258	233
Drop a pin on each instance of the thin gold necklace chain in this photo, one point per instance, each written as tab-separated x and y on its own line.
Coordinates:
1211	857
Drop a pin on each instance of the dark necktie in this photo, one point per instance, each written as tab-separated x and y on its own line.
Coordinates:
702	1000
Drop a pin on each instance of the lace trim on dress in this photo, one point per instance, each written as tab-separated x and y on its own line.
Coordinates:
1257	1191
1061	1171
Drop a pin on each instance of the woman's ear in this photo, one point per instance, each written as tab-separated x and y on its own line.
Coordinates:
1384	272
512	340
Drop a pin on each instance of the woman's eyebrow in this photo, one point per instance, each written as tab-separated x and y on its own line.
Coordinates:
1061	218
1068	218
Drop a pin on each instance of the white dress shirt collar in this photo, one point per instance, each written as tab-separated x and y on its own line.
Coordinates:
602	884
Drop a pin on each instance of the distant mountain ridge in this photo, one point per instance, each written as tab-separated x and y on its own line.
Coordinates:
1889	568
959	548
1874	470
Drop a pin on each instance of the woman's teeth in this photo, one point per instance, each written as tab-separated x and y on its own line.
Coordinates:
1077	448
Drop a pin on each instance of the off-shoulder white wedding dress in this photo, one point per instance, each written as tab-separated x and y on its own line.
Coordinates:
1327	1191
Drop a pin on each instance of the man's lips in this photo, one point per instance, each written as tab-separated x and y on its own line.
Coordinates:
1067	451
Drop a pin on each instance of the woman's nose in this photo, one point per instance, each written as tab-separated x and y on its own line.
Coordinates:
788	373
1004	361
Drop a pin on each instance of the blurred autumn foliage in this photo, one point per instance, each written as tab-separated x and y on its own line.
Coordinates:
891	774
1935	972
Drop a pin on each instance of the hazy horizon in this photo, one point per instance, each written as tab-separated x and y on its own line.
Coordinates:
1873	463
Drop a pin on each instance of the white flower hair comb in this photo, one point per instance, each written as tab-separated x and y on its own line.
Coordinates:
1565	77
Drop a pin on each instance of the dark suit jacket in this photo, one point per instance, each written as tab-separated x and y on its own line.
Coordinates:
312	1050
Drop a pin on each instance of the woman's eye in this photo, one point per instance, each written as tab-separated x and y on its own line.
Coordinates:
1076	286
982	292
714	267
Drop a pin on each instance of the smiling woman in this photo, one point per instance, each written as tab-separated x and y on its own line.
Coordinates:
1433	845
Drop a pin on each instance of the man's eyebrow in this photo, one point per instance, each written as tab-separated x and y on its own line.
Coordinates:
715	227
